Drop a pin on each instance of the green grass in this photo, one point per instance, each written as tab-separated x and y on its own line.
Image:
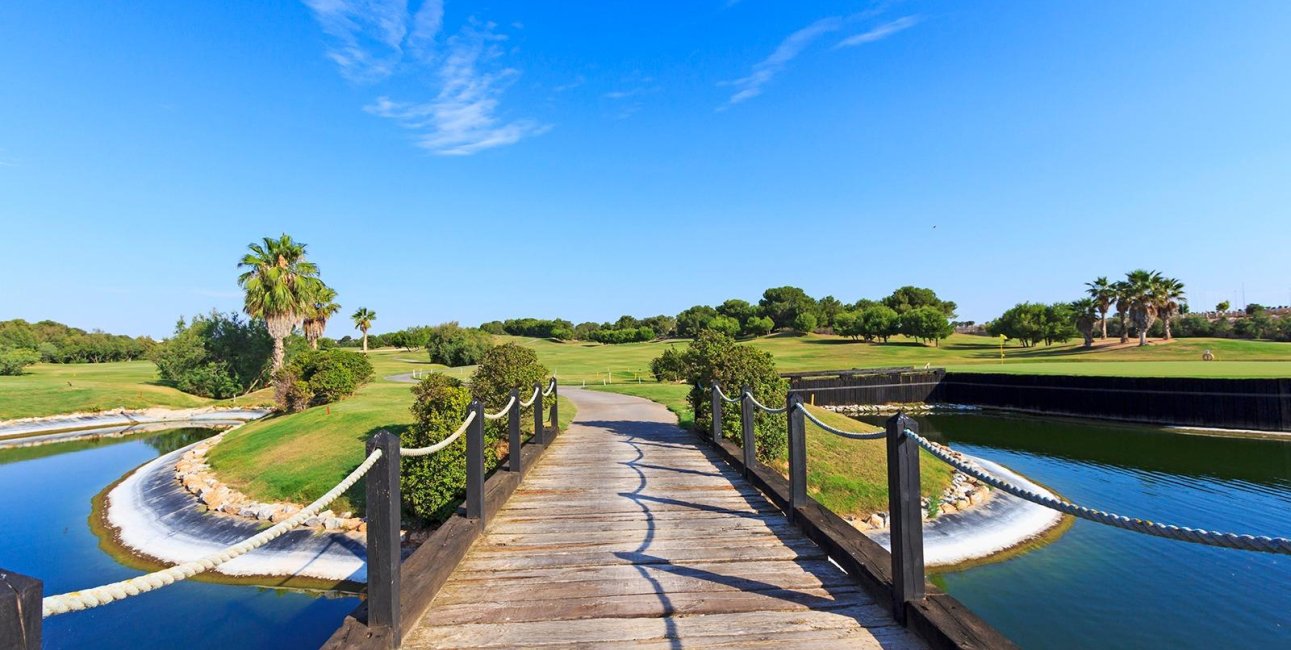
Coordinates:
298	457
51	389
847	476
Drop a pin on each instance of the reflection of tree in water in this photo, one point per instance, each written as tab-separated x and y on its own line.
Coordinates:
172	439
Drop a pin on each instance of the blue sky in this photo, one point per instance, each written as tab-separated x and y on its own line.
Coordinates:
485	160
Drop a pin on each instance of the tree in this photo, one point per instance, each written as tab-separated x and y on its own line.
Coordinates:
783	304
1223	306
216	355
908	298
669	366
1086	312
1024	322
663	326
279	284
758	326
724	324
321	308
878	321
738	309
363	318
847	323
927	323
1123	305
804	323
12	361
1143	291
692	321
1103	294
827	309
453	345
1169	296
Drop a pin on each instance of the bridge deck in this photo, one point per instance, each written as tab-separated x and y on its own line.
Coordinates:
628	533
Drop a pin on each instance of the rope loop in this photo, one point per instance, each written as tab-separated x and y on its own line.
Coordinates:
1259	543
426	451
502	412
551	386
532	398
854	435
762	406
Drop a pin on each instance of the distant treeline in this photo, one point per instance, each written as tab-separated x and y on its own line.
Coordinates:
58	343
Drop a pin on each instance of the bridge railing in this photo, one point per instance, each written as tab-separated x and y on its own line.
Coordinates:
904	577
23	608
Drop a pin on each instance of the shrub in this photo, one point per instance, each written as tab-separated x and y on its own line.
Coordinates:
714	356
453	345
316	377
503	368
758	326
217	355
12	362
433	485
804	323
669	366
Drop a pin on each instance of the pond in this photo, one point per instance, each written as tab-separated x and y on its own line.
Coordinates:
45	495
1102	587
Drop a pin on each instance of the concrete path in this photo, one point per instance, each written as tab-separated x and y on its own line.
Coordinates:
629	532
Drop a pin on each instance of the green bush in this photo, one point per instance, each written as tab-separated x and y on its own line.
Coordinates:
12	362
453	345
316	377
724	324
758	326
669	366
715	357
217	355
804	323
503	368
433	485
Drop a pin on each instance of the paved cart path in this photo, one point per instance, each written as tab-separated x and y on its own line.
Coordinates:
628	532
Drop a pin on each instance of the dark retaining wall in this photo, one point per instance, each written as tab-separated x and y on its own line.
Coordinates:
1260	404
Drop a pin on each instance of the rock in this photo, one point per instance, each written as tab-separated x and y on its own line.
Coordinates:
977	497
314	522
247	511
265	512
961	504
362	527
333	523
877	520
948	509
279	515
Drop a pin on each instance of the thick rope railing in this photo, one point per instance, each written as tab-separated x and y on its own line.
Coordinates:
1260	543
551	386
728	400
854	435
762	406
501	412
88	598
426	451
532	398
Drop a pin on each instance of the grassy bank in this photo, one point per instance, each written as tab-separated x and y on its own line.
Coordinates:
51	389
847	476
297	457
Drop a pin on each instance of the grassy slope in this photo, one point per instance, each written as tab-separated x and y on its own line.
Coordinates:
298	457
846	476
49	389
592	363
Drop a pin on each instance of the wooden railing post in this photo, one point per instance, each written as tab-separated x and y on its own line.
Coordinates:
475	464
383	507
555	406
715	432
746	429
539	431
514	461
797	455
904	515
20	611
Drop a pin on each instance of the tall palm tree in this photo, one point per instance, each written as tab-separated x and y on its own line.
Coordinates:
1123	302
1103	294
1086	313
279	283
363	322
1144	289
320	309
1169	301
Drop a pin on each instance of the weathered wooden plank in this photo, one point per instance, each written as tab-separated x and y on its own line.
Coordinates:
501	561
728	527
547	575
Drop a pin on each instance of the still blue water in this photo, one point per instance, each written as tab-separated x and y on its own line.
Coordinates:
45	495
1099	587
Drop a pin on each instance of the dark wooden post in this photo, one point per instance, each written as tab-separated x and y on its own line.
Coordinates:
904	515
539	431
475	464
514	461
716	430
555	406
20	611
797	455
746	429
383	538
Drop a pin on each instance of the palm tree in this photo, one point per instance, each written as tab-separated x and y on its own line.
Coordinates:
363	322
1121	289
1103	294
1144	290
320	309
1169	297
279	284
1086	312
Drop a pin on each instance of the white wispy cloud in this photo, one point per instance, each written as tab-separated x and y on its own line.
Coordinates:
462	119
370	39
879	33
764	71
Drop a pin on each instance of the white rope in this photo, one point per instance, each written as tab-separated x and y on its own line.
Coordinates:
1183	533
854	435
426	451
85	599
551	386
532	398
762	406
728	400
502	413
